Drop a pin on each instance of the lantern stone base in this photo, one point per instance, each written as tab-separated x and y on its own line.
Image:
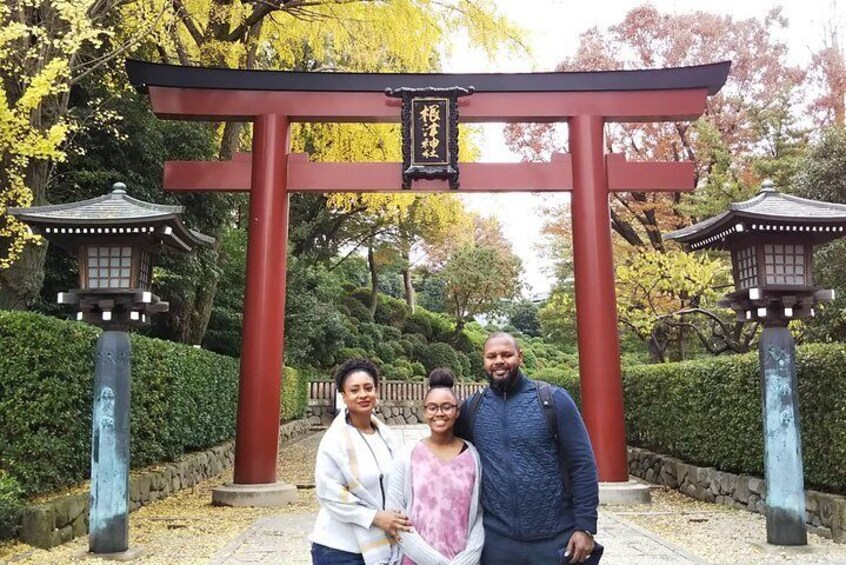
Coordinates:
271	494
630	493
129	555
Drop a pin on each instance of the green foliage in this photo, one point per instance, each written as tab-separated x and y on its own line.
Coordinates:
223	333
314	327
478	279
560	376
708	412
11	505
821	177
182	399
523	315
438	355
294	395
432	326
355	309
391	311
557	318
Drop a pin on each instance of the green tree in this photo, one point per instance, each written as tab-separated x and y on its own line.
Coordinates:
478	279
523	315
821	177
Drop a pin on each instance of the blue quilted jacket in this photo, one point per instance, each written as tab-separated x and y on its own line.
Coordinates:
528	493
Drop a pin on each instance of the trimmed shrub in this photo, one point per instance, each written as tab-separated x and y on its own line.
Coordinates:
433	327
356	309
294	395
182	399
708	412
391	311
349	353
399	372
420	322
438	355
560	376
11	505
387	351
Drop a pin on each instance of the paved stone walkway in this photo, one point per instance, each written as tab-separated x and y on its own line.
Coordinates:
283	540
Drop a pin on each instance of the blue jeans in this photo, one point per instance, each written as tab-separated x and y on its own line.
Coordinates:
322	555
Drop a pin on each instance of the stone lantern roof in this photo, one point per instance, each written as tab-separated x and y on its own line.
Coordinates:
113	214
769	213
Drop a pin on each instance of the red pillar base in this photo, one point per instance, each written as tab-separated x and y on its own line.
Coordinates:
268	495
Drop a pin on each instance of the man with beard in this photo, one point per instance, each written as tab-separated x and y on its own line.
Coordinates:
539	481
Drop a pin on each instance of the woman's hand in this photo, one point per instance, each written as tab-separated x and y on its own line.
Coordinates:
392	522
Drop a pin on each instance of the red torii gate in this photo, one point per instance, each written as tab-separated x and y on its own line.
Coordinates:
271	100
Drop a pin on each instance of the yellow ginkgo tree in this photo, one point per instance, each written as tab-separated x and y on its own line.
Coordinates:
45	47
668	298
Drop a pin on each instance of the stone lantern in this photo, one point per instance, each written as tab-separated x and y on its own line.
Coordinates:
771	238
116	239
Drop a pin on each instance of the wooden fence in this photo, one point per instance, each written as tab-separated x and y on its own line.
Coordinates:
390	390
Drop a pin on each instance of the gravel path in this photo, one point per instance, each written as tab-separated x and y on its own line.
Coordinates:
186	529
719	534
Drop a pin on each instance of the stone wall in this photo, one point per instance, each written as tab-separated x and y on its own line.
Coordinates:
59	520
825	513
395	412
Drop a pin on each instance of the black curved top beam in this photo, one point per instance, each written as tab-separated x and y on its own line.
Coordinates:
143	75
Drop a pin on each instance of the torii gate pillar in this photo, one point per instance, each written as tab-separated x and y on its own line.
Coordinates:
272	100
596	299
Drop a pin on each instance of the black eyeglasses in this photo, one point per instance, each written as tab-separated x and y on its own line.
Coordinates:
432	409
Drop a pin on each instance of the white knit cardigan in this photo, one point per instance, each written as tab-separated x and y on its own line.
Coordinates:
339	489
412	544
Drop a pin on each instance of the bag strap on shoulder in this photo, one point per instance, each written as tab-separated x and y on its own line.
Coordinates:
473	409
544	391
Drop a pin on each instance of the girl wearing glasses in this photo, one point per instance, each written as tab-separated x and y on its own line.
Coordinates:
353	526
437	482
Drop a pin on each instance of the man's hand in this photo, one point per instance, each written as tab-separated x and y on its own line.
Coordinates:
579	547
392	522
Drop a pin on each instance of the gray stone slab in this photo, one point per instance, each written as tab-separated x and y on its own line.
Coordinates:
283	539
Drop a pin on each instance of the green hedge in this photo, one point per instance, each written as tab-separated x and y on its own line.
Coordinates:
183	399
708	412
294	394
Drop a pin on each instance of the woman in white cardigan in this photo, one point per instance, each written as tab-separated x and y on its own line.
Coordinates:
437	482
355	455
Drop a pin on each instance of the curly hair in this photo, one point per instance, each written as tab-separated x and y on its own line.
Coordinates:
351	366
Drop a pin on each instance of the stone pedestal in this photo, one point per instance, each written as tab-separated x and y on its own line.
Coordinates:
624	494
129	555
272	494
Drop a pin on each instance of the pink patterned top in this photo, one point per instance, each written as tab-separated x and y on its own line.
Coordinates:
440	510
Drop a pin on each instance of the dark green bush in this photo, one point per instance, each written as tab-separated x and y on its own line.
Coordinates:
356	309
349	353
391	311
294	395
438	355
420	322
182	399
11	505
708	412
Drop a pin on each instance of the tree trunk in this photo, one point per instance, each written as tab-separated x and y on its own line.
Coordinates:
204	297
21	283
410	299
374	280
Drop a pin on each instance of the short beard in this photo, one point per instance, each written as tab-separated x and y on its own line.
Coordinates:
504	384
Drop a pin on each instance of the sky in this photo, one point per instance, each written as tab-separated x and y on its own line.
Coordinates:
552	30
